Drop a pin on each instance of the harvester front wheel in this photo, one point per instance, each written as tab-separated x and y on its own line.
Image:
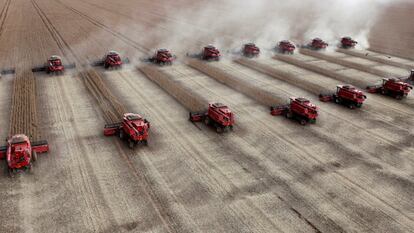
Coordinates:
207	120
34	156
145	142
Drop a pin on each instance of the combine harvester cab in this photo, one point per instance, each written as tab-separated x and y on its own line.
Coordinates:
133	128
210	53
111	60
217	115
250	50
285	47
348	42
54	65
162	57
20	153
346	95
317	44
392	87
300	109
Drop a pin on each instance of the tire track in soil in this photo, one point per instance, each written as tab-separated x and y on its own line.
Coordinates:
256	168
3	15
120	36
209	164
268	81
162	214
309	154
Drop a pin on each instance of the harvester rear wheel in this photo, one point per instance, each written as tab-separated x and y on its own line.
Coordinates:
11	172
121	134
145	142
131	144
399	97
34	156
219	129
302	121
289	115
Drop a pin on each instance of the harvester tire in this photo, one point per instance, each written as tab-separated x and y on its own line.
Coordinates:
337	100
219	129
399	97
207	120
302	121
131	144
121	134
145	142
34	156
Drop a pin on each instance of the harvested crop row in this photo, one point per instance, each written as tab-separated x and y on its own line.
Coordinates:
23	108
345	63
356	81
185	96
262	96
113	110
287	77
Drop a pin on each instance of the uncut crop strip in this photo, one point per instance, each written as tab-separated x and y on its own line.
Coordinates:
367	56
287	77
184	95
250	89
349	64
23	108
113	110
354	80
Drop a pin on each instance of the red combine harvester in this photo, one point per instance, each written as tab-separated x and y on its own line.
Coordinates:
392	87
300	109
317	44
111	60
54	65
210	53
133	128
346	95
162	57
286	46
250	50
20	153
348	42
217	115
